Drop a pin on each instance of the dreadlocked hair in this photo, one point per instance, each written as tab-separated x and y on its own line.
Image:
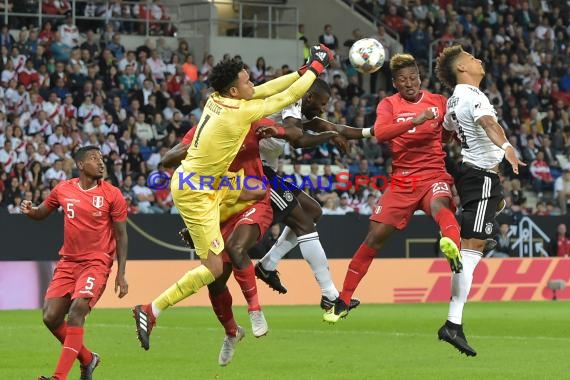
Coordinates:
401	61
445	65
224	74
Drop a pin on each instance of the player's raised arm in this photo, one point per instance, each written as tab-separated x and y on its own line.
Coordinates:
497	135
296	136
385	129
257	108
121	285
281	83
318	124
275	86
176	154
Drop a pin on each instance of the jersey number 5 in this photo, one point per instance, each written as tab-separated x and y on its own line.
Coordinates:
200	128
70	211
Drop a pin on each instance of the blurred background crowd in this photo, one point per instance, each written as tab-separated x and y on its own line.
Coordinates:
64	85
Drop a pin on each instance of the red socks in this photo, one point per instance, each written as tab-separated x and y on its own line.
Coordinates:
71	347
448	225
246	280
222	305
85	356
356	270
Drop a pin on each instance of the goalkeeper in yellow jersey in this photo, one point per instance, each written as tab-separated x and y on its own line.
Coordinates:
202	182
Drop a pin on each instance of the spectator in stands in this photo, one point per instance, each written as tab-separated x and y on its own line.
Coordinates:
145	197
12	191
115	47
8	157
143	131
541	177
368	207
6	38
55	172
190	69
135	163
562	190
372	151
328	38
69	32
560	244
207	66
503	248
60	51
259	73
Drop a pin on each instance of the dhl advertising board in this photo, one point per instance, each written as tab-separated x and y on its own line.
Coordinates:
23	283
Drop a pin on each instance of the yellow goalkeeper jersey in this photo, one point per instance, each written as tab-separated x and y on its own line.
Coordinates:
225	122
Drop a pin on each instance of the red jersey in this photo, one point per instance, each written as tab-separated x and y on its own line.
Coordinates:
563	246
420	148
88	231
248	156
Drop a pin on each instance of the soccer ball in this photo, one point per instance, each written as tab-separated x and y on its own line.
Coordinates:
367	55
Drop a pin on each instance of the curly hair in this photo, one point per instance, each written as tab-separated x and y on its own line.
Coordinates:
400	61
320	86
445	65
224	74
80	153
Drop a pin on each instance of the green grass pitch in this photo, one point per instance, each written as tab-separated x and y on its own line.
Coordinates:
514	341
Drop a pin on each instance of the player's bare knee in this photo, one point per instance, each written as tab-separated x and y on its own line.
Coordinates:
238	255
215	264
52	319
78	311
377	235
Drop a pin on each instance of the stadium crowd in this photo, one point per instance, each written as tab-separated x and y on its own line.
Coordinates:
64	86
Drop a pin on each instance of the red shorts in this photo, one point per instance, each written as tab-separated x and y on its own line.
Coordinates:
259	213
397	204
81	279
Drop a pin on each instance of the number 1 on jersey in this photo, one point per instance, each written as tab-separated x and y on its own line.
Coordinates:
200	128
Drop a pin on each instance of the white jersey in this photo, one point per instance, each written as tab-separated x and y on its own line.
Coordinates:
464	108
270	149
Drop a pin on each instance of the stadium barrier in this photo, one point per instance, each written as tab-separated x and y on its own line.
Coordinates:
23	283
157	258
155	237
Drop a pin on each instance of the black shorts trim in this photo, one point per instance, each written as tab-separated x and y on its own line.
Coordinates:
283	195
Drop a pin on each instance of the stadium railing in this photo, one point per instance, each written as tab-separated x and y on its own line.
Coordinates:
29	13
238	19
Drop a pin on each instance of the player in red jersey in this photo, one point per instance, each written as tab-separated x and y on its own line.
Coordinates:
94	229
241	231
412	121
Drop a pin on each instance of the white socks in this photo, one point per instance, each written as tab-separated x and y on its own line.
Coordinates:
461	285
155	310
312	252
286	242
